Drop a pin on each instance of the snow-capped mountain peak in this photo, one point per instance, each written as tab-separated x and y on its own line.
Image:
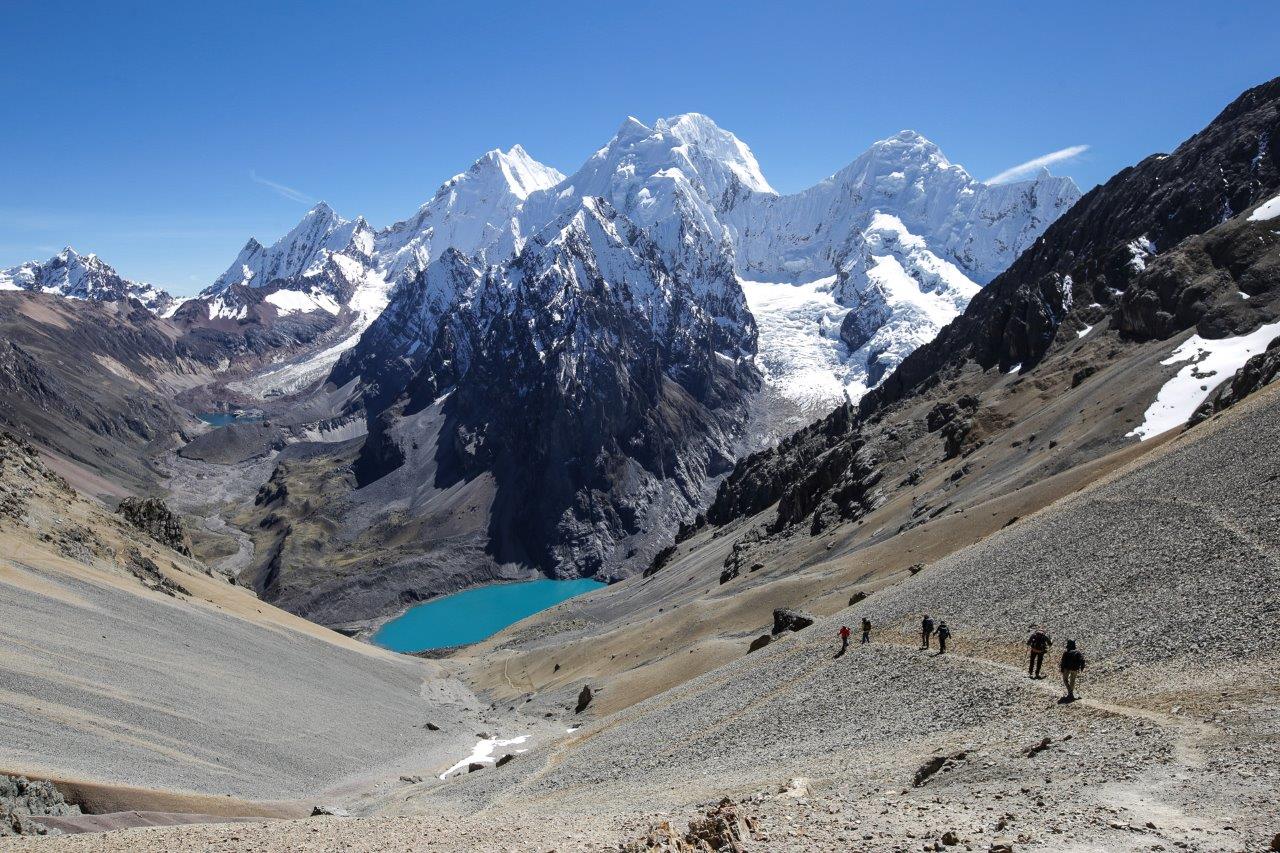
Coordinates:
522	173
719	144
306	248
690	147
474	212
78	276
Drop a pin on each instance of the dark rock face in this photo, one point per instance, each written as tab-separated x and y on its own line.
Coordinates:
153	517
759	480
149	575
587	371
584	699
953	421
790	620
1223	282
1096	252
255	328
419	337
823	473
1257	372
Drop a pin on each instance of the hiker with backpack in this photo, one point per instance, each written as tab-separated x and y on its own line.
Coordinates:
1038	644
944	634
844	640
926	631
866	630
1071	666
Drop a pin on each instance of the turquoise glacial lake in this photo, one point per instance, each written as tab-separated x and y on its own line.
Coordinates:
221	419
474	614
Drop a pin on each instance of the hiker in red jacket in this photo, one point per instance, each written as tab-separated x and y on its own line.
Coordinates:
844	640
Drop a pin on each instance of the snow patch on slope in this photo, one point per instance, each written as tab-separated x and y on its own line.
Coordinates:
482	753
296	302
1211	362
1269	209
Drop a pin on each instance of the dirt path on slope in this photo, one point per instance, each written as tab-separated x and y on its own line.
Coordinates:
1188	735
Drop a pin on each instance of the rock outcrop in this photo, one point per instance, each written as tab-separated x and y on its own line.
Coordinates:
23	802
153	517
785	619
584	699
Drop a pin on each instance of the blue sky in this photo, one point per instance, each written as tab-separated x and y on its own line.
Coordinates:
162	136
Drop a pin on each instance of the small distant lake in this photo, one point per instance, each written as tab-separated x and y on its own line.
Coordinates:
221	419
474	614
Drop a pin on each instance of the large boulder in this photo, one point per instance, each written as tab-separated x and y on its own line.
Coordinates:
790	620
584	699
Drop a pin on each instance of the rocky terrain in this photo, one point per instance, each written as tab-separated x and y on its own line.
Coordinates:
93	382
1089	446
165	688
24	803
888	747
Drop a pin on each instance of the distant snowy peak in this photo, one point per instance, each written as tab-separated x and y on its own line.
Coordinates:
979	227
685	164
475	212
717	146
305	249
78	276
901	295
522	173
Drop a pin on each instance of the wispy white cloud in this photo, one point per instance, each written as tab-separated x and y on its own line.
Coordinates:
1034	164
288	192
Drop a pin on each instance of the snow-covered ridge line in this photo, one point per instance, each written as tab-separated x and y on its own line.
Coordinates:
78	276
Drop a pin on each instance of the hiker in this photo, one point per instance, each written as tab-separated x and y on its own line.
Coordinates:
844	639
1038	643
944	634
926	631
866	630
1071	666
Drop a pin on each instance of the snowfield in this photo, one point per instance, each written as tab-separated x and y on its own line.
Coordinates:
296	302
482	753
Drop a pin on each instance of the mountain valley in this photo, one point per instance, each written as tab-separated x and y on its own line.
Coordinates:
758	417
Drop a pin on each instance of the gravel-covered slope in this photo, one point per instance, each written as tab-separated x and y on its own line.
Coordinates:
888	748
122	664
1163	573
1176	561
